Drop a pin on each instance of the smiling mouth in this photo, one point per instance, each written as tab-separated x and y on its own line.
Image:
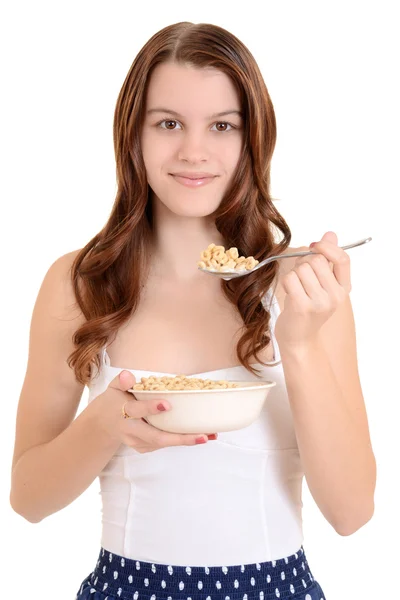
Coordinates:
193	182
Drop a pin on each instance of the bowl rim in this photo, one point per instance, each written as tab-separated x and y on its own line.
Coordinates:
259	385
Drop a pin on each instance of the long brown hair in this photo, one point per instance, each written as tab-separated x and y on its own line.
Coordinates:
109	272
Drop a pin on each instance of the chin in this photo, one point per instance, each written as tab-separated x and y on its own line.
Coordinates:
195	212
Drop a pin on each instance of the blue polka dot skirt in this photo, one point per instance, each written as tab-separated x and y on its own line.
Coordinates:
116	577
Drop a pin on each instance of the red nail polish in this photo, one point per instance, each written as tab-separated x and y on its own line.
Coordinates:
200	440
212	436
313	244
161	407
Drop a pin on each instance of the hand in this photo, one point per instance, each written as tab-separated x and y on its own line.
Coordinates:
315	287
137	433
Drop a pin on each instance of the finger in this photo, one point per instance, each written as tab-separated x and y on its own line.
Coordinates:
138	409
294	289
340	260
326	279
312	286
156	437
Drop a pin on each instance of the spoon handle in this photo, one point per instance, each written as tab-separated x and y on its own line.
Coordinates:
308	252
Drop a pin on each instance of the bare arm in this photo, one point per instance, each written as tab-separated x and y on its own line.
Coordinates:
57	456
331	421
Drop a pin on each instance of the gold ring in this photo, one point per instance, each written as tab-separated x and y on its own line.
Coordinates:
125	414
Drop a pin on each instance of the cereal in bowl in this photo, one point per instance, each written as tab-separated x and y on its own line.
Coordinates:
181	382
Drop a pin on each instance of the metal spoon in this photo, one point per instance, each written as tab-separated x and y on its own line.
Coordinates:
227	275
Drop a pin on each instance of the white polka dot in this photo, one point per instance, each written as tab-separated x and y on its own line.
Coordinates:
146	582
258	566
253	581
153	568
218	585
224	570
102	552
208	598
92	590
105	586
189	598
242	569
274	564
200	585
207	570
153	597
277	593
304	583
163	584
181	585
268	578
119	592
295	571
296	555
286	560
122	562
110	557
188	570
283	575
95	581
115	574
302	564
170	570
292	588
245	597
130	578
137	565
236	583
104	569
261	595
227	598
308	597
136	596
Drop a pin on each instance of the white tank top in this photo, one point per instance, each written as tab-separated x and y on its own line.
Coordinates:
235	500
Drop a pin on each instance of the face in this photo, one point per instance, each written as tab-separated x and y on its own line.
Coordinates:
192	137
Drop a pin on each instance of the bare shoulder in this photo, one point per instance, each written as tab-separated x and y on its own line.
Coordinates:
50	392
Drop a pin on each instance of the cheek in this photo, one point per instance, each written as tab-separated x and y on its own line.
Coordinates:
233	153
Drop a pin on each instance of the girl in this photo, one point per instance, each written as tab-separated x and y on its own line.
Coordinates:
211	516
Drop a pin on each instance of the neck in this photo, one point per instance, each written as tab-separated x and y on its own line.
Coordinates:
178	242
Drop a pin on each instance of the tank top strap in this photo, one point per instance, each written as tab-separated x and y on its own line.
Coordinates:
105	359
270	303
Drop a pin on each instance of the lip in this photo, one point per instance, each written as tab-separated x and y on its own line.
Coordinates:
193	175
193	179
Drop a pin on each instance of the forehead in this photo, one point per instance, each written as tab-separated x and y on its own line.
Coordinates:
190	90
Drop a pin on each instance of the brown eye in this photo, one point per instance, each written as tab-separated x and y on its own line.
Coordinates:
168	124
222	126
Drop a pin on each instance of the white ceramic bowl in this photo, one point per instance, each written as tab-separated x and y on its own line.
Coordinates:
209	411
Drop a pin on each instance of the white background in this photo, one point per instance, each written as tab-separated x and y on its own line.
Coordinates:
332	73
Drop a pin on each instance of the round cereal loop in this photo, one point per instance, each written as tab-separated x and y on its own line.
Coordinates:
233	253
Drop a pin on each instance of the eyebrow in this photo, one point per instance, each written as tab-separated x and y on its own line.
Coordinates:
214	116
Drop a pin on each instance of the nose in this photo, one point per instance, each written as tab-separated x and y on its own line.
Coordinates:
193	149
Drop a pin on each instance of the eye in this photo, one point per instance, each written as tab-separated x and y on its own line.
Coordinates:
225	125
168	122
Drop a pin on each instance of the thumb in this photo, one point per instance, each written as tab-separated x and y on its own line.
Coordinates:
330	236
125	380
